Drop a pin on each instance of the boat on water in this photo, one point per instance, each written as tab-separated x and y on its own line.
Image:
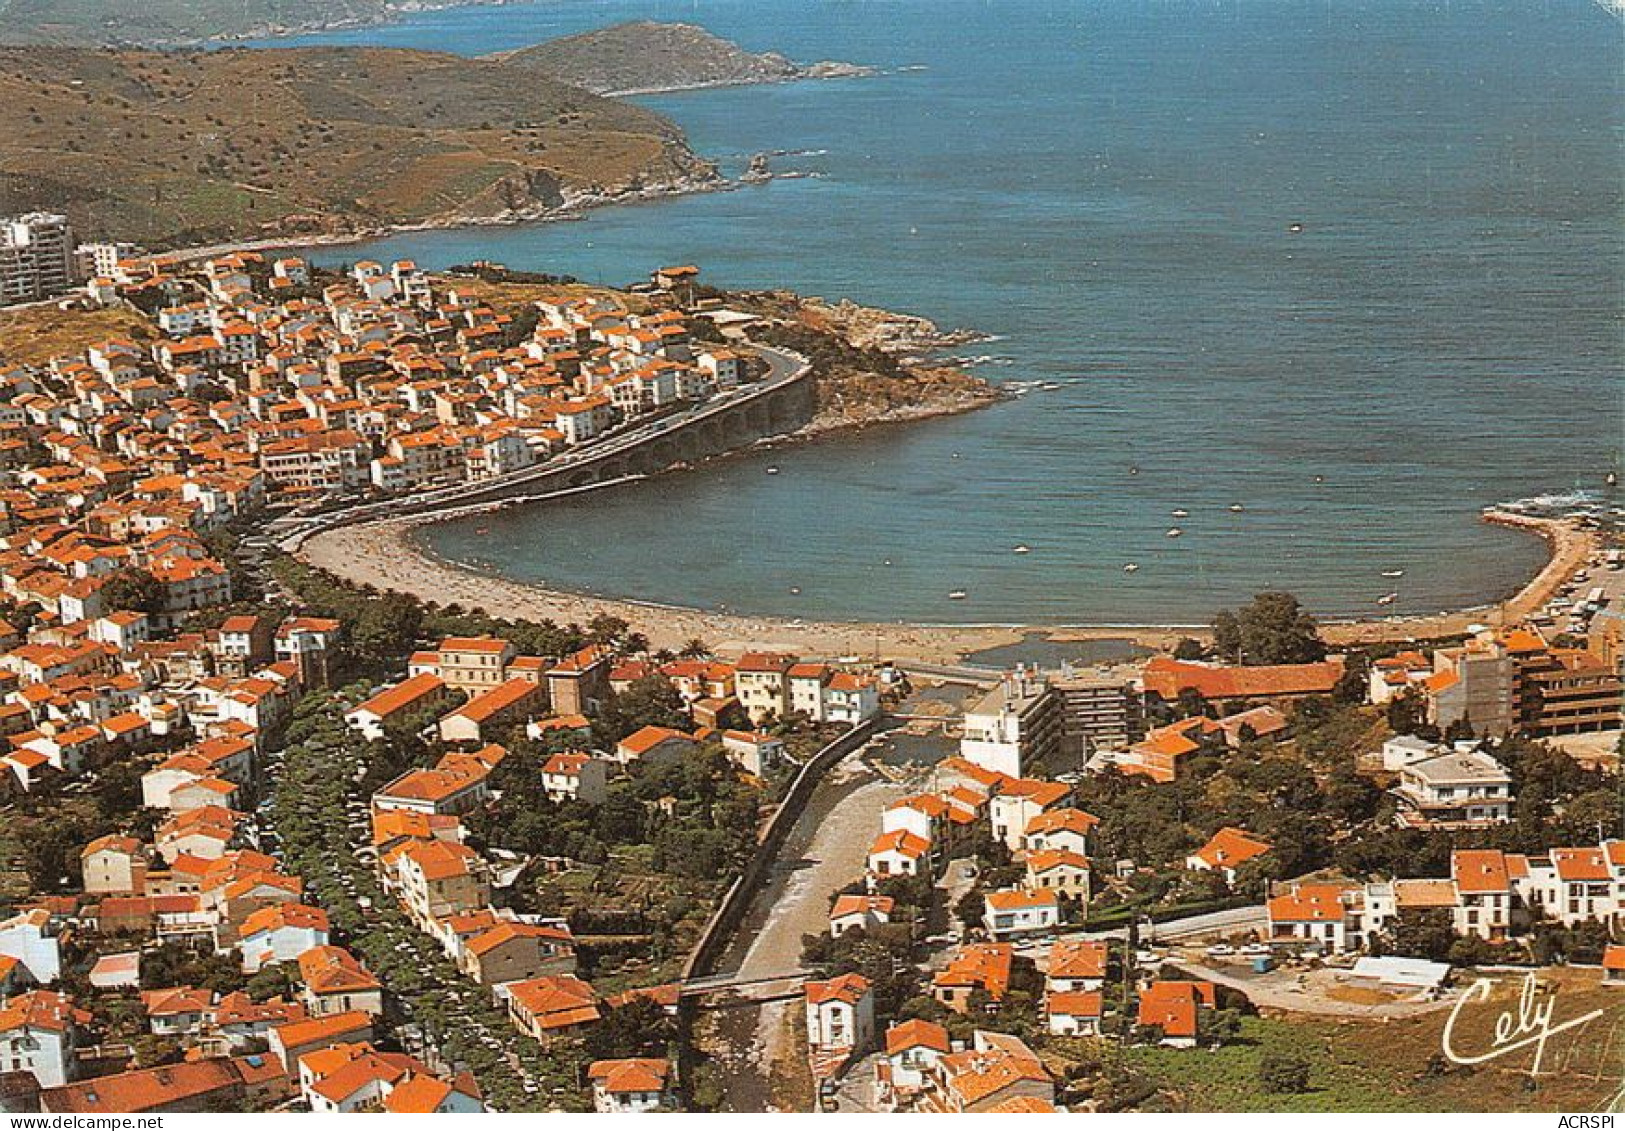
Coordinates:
1180	514
1393	573
1050	386
958	595
1612	479
482	530
772	471
795	589
1022	549
1294	228
1131	568
1175	532
1387	598
1236	508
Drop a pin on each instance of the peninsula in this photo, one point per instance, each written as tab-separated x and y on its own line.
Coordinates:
642	57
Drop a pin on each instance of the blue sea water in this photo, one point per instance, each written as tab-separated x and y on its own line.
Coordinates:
1108	186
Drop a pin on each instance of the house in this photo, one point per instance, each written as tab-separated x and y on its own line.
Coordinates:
762	685
1613	964
335	981
866	912
1225	851
913	1049
575	777
422	1094
280	933
515	952
998	1072
253	1082
435	792
30	937
754	752
486	715
1015	804
840	1019
579	684
114	865
623	1087
418	696
1059	870
1327	915
1075	966
39	1034
899	853
980	968
547	1007
437	878
1021	911
293	1040
1065	830
1075	1013
1172	1009
180	1011
1461	789
654	744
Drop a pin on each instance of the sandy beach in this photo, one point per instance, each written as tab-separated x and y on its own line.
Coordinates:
380	555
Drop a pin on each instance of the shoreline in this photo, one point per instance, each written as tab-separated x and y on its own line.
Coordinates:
382	555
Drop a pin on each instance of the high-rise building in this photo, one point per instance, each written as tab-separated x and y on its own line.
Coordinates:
36	257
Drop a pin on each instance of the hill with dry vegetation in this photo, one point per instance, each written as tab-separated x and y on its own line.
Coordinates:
191	147
644	56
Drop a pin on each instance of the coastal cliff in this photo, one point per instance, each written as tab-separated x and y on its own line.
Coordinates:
643	57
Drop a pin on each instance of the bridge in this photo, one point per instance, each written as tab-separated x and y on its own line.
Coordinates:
780	402
729	991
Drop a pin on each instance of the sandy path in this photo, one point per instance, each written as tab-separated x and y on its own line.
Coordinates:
378	554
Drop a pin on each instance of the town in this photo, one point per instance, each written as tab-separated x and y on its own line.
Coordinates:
271	842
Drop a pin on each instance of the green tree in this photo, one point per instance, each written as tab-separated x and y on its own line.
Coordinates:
135	590
1283	1073
1273	629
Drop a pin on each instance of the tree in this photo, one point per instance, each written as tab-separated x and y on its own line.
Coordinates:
1227	636
1283	1073
1273	629
1189	648
135	590
695	649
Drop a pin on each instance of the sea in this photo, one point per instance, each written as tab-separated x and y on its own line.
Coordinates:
1325	277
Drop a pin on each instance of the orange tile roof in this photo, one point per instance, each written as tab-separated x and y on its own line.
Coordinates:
1479	871
1167	677
1077	958
637	1074
848	988
1230	847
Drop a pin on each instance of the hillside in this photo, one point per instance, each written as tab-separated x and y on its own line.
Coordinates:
192	147
129	22
645	56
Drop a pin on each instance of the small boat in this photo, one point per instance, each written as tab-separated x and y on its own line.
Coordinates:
1393	573
1294	228
1181	514
887	562
482	530
1134	471
772	471
1049	386
958	595
796	589
1320	479
1387	598
1175	532
1236	508
1023	549
1612	479
1131	568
